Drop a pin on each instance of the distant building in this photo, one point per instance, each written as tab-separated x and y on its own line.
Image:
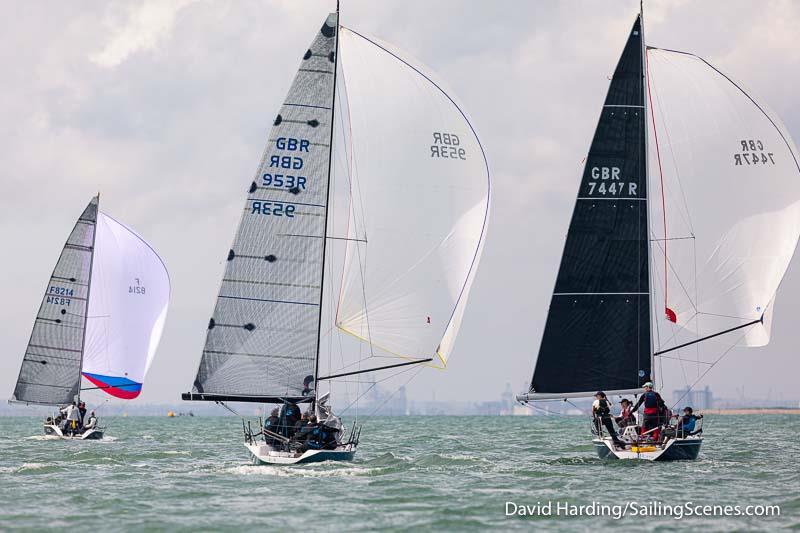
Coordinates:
695	398
383	402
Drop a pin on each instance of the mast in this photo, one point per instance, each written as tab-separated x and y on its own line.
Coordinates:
327	202
645	80
88	295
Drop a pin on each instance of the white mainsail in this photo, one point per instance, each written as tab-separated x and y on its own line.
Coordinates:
420	198
731	189
130	290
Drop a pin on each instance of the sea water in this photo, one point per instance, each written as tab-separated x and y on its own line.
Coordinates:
430	473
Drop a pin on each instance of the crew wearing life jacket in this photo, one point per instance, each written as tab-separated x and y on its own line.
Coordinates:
601	410
653	410
625	417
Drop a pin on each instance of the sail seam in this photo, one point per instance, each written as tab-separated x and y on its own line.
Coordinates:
640	199
265	300
599	293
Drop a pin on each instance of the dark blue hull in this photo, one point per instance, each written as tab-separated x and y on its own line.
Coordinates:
678	450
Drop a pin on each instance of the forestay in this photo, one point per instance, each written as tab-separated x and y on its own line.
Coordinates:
130	291
420	196
731	188
51	368
262	337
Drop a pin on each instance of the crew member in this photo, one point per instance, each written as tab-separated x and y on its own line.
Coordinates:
653	407
687	423
625	417
272	424
91	423
601	410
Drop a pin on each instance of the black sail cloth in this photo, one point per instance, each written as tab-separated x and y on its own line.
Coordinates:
597	334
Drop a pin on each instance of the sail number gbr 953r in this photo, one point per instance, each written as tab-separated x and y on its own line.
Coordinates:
447	146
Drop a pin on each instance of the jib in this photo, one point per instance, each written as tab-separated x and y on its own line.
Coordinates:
286	161
284	143
605	173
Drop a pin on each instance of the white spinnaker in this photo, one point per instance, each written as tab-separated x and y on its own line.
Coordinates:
128	304
423	215
732	199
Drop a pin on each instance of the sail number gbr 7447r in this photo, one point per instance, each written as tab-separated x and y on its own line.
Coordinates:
608	181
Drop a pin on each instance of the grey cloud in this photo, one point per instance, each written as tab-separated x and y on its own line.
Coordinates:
172	134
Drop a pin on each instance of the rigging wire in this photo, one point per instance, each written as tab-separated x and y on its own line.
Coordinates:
711	365
223	404
661	175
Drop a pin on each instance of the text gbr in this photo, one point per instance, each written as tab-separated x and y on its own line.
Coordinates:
447	146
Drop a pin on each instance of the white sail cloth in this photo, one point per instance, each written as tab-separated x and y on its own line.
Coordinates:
128	304
731	198
420	197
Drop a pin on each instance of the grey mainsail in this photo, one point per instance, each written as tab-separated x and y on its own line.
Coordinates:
51	369
262	339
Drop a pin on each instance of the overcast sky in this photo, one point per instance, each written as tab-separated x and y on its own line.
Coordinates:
164	107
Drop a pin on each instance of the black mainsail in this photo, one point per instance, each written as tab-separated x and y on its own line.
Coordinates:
51	368
597	334
262	340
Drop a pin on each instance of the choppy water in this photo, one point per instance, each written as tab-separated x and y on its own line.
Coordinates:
444	473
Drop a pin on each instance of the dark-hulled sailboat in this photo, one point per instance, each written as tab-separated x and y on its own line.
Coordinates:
709	235
416	213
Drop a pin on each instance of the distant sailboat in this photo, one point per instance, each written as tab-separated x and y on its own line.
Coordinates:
418	214
101	317
707	239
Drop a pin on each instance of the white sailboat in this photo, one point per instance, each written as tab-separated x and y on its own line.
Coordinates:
101	318
686	219
418	203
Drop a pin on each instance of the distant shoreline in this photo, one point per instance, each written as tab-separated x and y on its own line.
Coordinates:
753	411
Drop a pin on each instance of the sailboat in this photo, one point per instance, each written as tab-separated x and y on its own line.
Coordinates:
416	213
100	319
686	219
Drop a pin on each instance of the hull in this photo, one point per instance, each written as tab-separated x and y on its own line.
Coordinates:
686	449
55	431
263	454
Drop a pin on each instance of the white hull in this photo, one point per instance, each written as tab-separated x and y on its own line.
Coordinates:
264	454
55	431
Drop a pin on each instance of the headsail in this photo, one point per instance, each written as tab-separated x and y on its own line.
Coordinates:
262	338
731	187
597	334
420	199
51	368
127	309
